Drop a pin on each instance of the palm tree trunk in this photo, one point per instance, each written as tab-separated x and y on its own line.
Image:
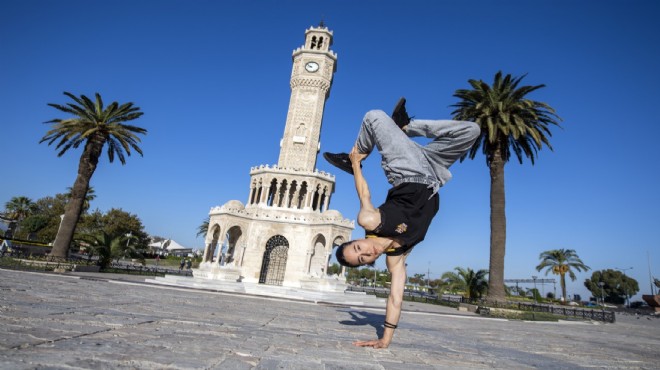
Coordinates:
86	167
562	281
497	229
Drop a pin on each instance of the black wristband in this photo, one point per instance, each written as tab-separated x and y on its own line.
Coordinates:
388	325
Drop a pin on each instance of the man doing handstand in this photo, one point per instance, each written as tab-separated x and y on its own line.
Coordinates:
416	173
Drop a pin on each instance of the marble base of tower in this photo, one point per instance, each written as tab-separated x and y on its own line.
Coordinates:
213	271
330	289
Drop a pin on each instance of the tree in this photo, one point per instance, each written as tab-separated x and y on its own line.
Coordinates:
94	126
116	222
419	279
510	123
89	197
561	262
109	246
203	229
473	283
48	209
17	209
616	286
334	269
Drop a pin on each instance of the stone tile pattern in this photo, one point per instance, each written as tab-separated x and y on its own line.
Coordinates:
68	322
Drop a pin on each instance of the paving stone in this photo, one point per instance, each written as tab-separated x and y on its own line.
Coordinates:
51	321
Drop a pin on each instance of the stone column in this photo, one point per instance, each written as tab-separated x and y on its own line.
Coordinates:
264	193
326	203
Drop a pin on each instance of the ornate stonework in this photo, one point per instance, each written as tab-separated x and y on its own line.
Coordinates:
285	232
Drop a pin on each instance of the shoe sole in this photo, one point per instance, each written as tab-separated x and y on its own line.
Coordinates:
339	165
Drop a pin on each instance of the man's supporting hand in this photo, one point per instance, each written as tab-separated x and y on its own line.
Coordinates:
379	343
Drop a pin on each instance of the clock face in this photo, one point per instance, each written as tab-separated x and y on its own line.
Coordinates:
311	67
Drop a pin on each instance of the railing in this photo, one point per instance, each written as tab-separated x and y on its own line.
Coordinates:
455	300
130	268
445	299
576	312
18	261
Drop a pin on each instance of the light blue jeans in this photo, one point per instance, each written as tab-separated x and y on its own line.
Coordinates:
405	160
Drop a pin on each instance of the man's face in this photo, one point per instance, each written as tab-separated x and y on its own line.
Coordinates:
361	252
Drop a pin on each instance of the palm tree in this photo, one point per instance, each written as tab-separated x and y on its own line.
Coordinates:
510	123
203	229
109	246
94	126
89	197
561	262
473	283
17	209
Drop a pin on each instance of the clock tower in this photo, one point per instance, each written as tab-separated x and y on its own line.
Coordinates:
285	232
311	78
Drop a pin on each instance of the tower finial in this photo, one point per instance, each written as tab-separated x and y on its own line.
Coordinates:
321	24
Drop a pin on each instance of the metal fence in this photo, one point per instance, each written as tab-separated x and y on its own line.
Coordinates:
455	300
131	268
18	261
575	312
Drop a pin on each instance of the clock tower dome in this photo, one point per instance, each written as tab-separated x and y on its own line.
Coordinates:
311	78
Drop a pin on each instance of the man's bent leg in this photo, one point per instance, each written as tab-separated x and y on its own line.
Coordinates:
452	139
402	157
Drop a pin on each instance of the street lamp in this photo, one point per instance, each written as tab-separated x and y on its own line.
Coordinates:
602	292
625	286
128	242
534	292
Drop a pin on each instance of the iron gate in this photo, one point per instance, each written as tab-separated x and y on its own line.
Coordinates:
274	262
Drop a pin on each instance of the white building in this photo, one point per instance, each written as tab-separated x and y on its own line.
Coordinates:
169	247
285	232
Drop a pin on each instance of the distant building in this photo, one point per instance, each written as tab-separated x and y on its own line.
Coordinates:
170	247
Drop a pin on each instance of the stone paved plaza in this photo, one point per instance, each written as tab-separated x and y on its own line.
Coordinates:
96	321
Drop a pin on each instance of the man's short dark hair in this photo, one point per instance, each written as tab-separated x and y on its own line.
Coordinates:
340	255
342	260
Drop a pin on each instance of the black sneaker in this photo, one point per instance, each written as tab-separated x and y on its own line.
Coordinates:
399	114
339	160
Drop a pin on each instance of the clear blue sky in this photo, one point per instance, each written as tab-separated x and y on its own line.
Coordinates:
213	80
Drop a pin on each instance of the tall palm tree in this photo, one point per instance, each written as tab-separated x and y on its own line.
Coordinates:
473	283
561	262
510	123
94	126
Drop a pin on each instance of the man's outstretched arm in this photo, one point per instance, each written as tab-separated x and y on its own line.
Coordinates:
369	216
397	267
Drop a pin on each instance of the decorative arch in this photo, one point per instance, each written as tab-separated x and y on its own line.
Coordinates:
212	237
272	190
230	242
318	264
281	194
302	195
274	261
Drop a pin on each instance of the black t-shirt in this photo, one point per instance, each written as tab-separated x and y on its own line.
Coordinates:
406	215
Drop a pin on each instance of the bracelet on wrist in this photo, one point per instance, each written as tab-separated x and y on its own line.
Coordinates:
389	325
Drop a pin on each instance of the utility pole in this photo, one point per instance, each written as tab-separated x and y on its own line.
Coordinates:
428	278
625	286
